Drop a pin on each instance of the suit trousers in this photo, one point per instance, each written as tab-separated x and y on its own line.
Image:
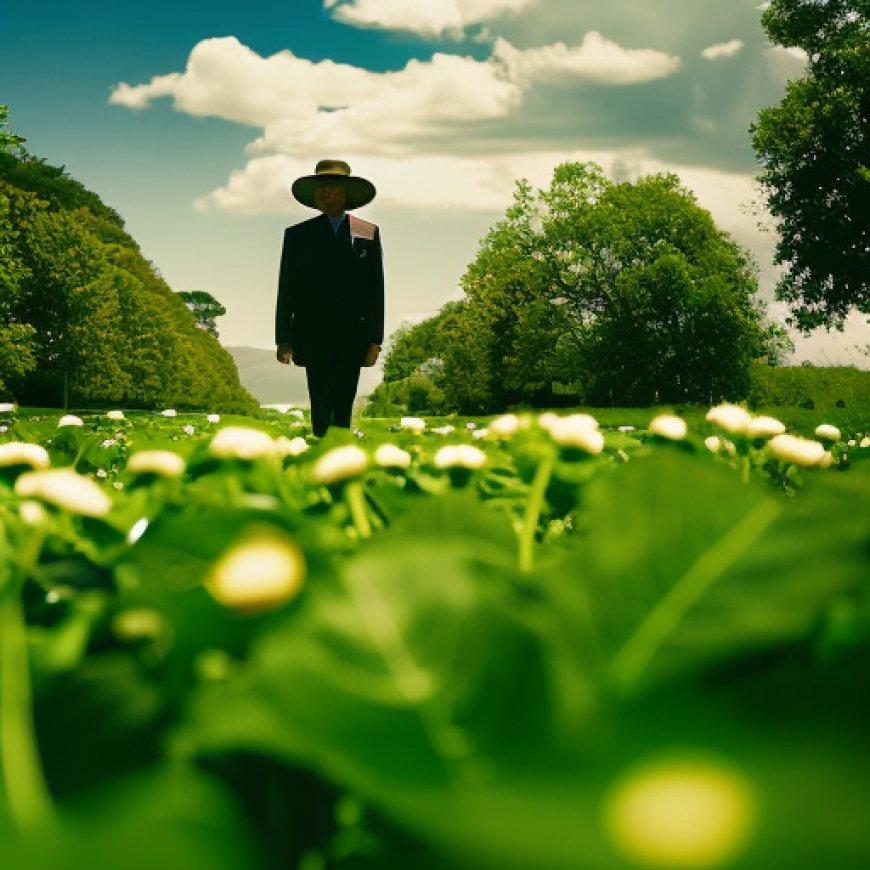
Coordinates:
332	384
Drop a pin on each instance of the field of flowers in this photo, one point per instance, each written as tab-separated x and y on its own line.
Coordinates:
528	643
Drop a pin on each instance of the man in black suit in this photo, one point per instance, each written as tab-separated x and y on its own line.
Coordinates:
330	312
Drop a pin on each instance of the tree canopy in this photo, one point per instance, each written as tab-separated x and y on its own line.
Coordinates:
814	151
622	293
84	318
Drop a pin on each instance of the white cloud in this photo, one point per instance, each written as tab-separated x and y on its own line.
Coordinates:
427	18
596	60
433	108
722	49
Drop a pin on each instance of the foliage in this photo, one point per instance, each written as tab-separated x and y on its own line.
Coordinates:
814	150
84	319
425	700
626	292
205	309
810	387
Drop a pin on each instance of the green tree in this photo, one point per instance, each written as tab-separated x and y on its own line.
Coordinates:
16	338
627	291
205	309
814	150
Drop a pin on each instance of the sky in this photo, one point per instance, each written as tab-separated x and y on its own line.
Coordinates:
192	120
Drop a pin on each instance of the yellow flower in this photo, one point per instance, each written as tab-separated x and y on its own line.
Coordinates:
340	464
577	430
683	812
764	427
413	424
800	451
65	489
260	571
828	432
731	418
460	456
23	453
290	446
162	462
668	426
391	456
241	442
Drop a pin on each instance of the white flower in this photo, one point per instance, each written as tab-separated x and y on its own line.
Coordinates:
115	415
6	407
390	456
764	427
101	473
865	442
668	426
460	456
290	446
162	462
577	430
70	420
800	451
168	412
626	428
413	424
443	430
340	464
471	425
188	429
713	443
213	418
109	442
241	442
22	453
32	512
731	418
504	426
851	442
137	530
4	430
295	412
65	489
828	432
261	571
478	434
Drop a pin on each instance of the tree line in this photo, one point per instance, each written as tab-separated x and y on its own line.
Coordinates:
607	293
628	294
85	319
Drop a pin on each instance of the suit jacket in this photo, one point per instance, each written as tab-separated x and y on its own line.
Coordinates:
330	289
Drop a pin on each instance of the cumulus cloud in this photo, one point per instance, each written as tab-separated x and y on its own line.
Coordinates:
435	108
430	19
596	60
722	49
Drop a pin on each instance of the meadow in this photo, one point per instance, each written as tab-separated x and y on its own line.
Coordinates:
599	638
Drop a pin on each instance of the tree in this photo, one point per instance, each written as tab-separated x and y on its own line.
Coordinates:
626	291
205	309
814	150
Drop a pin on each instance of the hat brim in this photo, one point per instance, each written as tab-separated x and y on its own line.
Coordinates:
358	191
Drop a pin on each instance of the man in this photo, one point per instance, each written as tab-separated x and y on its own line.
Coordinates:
330	312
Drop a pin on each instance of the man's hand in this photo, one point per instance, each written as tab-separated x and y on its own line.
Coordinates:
285	354
371	356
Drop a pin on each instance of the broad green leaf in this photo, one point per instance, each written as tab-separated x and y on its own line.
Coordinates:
681	565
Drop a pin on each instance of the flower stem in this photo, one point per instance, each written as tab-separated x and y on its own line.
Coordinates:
356	503
534	506
27	795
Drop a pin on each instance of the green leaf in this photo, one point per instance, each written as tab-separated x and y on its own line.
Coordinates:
683	566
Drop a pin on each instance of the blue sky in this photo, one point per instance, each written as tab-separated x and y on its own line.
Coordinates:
192	120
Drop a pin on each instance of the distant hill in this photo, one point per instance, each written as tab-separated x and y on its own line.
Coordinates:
272	383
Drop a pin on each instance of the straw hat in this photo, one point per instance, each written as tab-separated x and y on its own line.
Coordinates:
358	191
